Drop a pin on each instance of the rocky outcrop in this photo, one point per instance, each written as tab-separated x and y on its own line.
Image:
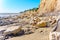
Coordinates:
58	6
49	6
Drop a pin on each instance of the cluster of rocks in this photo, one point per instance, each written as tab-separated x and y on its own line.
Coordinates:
28	22
11	31
6	31
26	25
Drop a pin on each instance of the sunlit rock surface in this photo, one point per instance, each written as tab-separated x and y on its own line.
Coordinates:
47	6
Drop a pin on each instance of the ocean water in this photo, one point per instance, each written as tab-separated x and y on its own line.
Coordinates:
8	14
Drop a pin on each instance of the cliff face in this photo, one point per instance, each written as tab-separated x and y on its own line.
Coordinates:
49	6
58	6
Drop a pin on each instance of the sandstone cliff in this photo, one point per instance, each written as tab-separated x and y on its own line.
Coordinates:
58	6
49	6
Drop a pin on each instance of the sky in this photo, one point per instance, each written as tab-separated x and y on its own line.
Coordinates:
15	6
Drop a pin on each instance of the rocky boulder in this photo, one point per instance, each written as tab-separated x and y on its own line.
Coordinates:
13	30
42	24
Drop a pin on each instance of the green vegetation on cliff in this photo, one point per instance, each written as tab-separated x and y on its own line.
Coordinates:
33	9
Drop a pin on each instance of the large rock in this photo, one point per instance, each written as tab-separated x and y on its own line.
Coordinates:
42	24
13	29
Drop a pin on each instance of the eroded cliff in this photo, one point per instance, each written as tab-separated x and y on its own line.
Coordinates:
49	6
